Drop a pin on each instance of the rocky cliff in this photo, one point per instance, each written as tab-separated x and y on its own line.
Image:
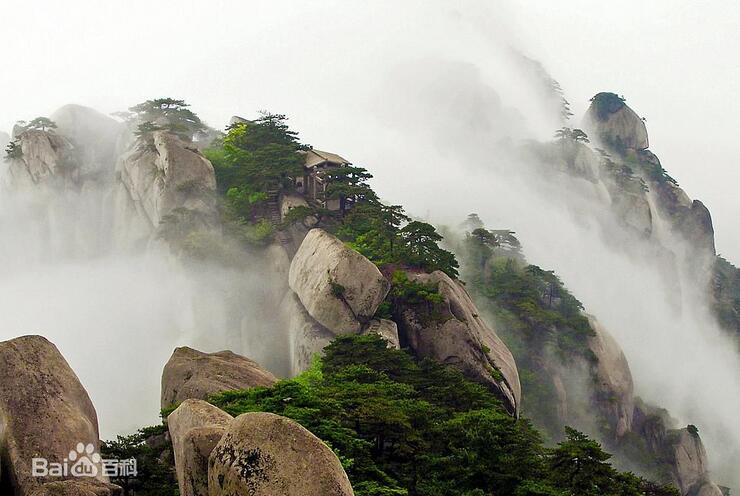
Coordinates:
97	139
192	374
166	188
46	159
45	414
339	288
453	332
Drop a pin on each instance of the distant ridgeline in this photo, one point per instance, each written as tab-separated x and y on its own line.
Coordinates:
572	371
644	198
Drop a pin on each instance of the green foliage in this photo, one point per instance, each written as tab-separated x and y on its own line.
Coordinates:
38	124
245	204
337	289
155	477
253	162
146	128
166	113
651	168
406	427
580	466
534	313
421	243
622	174
13	150
425	299
376	231
606	104
349	186
258	159
568	134
550	314
261	155
257	233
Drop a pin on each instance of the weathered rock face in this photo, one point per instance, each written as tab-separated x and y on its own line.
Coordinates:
386	329
195	428
46	158
690	467
454	333
77	488
193	374
306	336
698	229
615	124
263	454
290	201
44	411
166	185
339	288
613	380
94	134
629	199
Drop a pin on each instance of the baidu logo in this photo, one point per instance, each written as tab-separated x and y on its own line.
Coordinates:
83	461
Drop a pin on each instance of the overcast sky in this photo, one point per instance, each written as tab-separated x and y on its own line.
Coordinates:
676	62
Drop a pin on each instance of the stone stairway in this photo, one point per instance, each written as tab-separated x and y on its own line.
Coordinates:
273	207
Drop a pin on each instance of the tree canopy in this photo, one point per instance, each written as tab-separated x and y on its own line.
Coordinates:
406	427
568	134
170	114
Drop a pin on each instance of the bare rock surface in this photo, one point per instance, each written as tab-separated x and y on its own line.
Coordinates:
166	183
386	329
83	487
690	465
44	411
306	336
192	374
614	386
195	428
96	135
46	157
263	454
455	334
339	288
616	124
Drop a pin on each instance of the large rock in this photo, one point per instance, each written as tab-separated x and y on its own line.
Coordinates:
690	466
83	487
698	229
94	134
167	186
263	454
290	201
613	380
192	374
195	428
454	333
46	157
628	197
44	412
307	337
616	125
386	329
339	288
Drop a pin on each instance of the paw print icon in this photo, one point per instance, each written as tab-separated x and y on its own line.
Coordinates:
86	461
